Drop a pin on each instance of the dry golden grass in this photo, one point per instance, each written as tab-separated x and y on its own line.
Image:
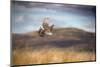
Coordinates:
52	55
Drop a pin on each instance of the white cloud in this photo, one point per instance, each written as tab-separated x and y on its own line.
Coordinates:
19	18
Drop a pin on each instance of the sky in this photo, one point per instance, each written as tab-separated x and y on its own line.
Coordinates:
28	16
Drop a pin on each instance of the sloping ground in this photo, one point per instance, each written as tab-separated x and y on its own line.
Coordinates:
64	37
65	45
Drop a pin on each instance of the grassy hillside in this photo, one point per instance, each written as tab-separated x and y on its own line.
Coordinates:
65	45
60	32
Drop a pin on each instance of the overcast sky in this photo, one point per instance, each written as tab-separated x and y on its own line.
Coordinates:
28	16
